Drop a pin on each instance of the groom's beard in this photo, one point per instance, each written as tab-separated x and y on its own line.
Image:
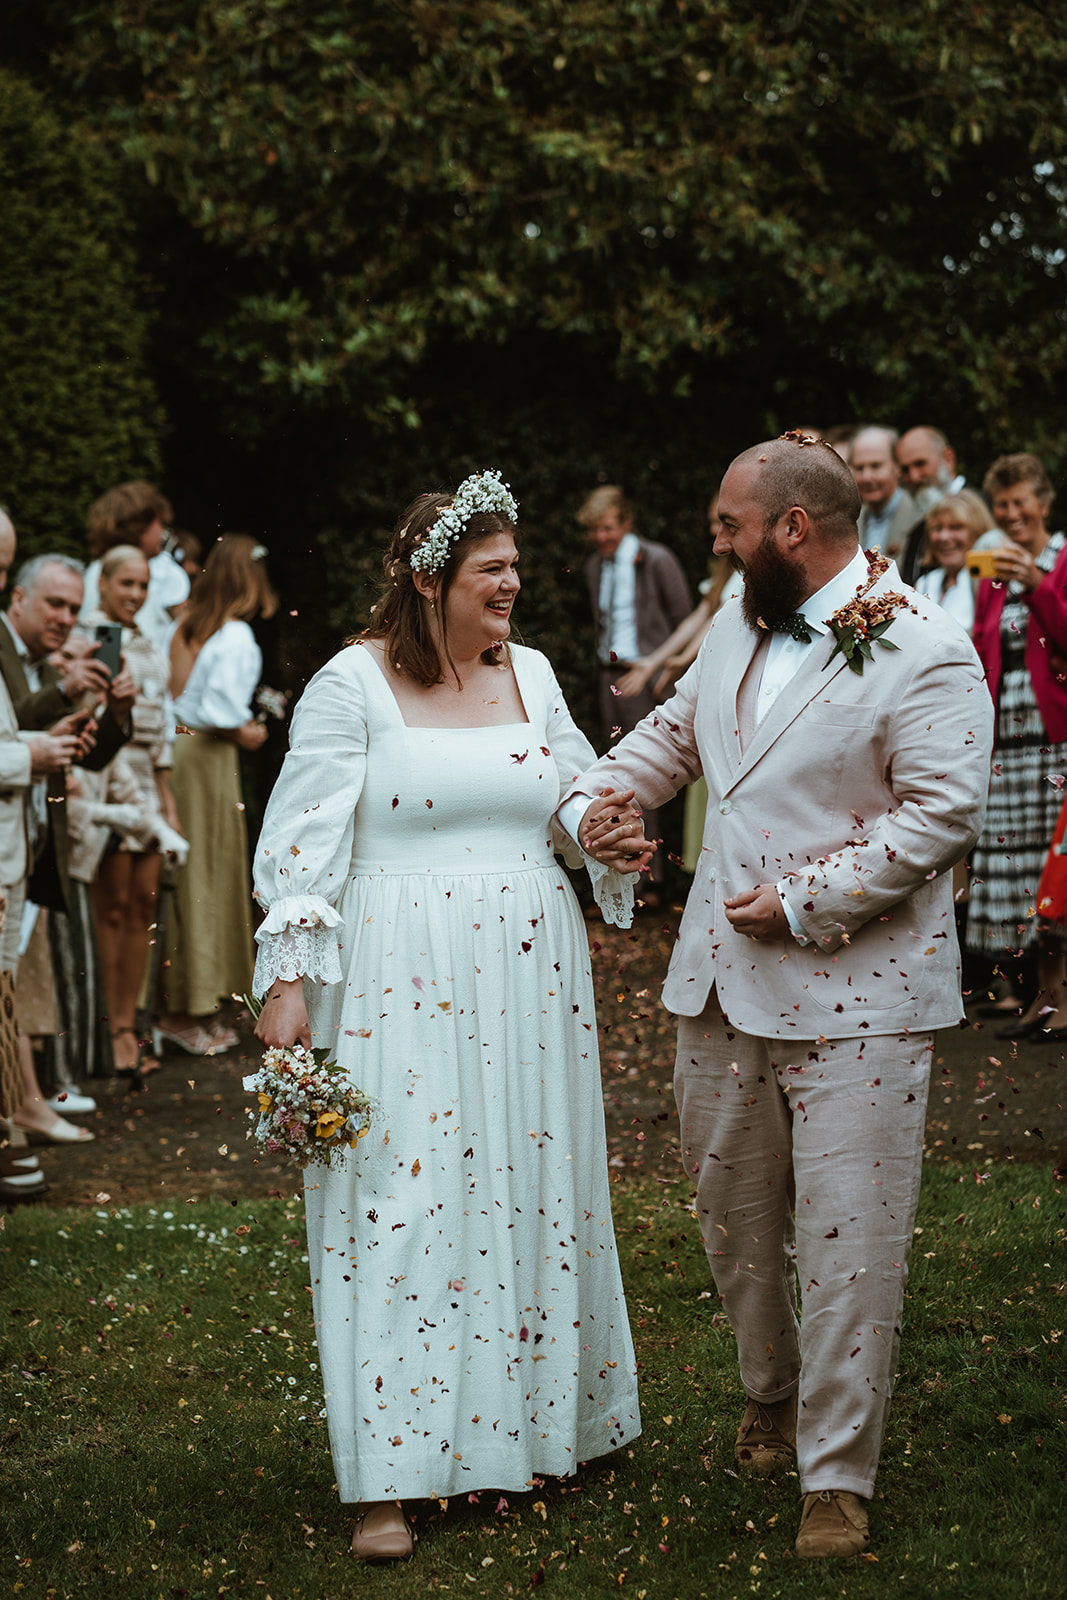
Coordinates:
775	587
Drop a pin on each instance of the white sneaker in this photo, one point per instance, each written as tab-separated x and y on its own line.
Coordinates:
70	1103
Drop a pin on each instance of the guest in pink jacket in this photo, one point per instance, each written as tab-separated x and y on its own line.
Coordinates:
1020	633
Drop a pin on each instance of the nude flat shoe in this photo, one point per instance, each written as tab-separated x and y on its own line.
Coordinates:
59	1132
382	1533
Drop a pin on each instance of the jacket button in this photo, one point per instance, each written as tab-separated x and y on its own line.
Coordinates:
725	807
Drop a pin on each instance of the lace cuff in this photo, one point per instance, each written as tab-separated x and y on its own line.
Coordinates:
613	892
297	953
297	940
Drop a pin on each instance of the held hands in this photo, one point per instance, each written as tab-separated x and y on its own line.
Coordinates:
284	1018
612	834
758	913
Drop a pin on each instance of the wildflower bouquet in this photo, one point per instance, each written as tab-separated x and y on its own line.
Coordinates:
308	1110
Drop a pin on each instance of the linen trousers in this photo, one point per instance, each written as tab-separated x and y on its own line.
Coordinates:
817	1141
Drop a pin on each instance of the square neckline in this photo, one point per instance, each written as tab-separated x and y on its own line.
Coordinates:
432	727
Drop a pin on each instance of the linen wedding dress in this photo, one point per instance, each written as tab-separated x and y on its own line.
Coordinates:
468	1303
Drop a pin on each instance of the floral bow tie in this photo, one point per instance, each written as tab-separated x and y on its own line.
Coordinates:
795	626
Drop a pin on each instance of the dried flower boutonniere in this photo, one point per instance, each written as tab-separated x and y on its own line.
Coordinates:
865	619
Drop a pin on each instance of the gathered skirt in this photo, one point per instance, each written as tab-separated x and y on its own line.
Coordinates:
208	936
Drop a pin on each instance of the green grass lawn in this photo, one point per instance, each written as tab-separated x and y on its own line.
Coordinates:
160	1415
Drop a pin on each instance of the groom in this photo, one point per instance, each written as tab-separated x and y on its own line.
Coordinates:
817	953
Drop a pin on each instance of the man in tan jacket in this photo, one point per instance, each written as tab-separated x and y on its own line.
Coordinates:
817	953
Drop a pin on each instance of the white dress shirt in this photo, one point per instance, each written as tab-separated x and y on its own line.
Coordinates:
617	602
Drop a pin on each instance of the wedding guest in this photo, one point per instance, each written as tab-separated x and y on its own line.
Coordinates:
215	665
137	514
1020	633
639	595
951	529
23	758
816	955
889	512
929	471
45	601
127	884
468	1303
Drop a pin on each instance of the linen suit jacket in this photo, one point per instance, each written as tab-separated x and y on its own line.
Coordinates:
661	594
15	762
864	791
49	883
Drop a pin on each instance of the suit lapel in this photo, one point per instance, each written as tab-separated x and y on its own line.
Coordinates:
737	660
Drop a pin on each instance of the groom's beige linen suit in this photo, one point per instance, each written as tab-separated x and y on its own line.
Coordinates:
856	794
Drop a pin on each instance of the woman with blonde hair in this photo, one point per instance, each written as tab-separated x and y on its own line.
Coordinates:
953	527
215	664
127	884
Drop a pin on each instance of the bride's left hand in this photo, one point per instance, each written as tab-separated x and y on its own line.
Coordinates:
612	833
284	1018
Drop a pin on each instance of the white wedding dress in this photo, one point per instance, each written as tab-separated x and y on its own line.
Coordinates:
468	1304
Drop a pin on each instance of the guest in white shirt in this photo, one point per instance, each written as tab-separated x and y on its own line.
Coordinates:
639	595
215	666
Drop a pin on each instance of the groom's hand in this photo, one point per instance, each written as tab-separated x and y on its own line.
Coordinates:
758	913
612	833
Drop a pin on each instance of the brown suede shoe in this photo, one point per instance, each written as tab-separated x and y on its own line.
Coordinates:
382	1533
767	1437
832	1523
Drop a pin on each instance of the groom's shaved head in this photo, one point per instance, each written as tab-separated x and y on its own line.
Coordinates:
801	470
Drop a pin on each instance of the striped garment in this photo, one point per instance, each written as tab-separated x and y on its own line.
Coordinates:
1009	857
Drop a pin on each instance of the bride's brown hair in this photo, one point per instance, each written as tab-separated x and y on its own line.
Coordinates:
399	615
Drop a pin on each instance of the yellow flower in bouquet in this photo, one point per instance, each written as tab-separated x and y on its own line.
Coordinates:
308	1110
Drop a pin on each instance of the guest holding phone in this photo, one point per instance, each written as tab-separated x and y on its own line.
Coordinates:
127	884
1020	633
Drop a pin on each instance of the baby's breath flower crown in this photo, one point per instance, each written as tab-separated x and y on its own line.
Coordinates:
484	491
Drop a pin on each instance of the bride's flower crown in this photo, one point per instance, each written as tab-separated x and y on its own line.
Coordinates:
485	491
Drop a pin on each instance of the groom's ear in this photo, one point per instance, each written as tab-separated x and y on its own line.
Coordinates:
797	527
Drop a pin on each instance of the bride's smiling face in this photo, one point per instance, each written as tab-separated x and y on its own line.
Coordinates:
481	595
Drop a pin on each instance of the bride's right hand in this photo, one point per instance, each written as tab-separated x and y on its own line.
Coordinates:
284	1018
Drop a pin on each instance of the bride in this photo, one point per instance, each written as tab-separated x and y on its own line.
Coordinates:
468	1304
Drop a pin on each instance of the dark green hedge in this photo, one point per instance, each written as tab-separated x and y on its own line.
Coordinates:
78	412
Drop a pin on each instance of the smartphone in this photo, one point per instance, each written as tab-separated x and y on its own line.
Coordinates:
982	563
109	638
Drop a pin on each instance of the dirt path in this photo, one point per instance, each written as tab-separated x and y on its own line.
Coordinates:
185	1138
